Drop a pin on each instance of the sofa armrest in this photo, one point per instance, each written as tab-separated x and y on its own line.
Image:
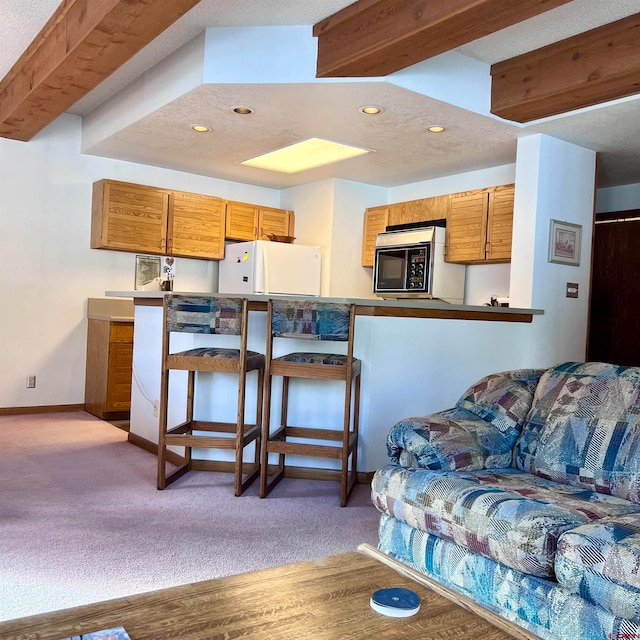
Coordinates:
449	440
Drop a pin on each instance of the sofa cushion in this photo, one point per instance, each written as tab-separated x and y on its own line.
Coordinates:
503	399
600	561
540	605
584	428
452	439
510	516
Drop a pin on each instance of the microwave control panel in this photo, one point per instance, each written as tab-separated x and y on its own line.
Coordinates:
417	268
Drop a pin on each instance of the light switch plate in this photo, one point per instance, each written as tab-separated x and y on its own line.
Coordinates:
572	289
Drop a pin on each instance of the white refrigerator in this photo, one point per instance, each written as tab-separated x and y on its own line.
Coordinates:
270	268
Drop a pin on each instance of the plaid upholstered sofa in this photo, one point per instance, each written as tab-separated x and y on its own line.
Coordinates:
526	497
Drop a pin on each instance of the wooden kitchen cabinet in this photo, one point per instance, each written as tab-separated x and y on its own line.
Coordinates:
376	220
423	210
480	226
142	219
252	222
129	217
241	221
107	392
276	221
196	226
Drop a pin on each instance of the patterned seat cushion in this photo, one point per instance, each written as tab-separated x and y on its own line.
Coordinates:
584	428
510	516
309	357
215	352
601	562
540	605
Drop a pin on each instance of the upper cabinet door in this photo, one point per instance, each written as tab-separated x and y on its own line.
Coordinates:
129	217
196	226
480	226
500	223
276	221
242	221
467	227
376	220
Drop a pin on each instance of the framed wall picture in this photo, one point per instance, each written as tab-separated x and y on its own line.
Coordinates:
147	268
564	243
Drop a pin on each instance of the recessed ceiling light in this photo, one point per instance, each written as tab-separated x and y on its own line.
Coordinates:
308	154
200	128
436	129
243	111
371	110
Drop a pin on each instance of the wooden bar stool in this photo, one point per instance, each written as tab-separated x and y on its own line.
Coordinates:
312	320
209	315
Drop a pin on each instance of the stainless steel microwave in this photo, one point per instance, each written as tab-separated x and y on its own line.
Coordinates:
409	263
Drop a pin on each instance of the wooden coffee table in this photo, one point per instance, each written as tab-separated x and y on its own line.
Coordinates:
323	599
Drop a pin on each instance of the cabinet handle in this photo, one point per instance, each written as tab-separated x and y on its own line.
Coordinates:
487	248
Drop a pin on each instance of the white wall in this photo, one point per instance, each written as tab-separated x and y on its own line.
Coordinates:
621	198
554	180
330	214
313	207
50	271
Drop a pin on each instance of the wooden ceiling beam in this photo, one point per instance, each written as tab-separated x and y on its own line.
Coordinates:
593	67
83	43
378	37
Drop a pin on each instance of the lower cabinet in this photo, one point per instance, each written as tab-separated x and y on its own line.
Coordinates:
109	368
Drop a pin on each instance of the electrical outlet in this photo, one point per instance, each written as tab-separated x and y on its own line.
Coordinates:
156	408
31	382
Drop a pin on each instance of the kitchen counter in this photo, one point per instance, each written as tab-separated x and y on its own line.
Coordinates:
371	307
111	310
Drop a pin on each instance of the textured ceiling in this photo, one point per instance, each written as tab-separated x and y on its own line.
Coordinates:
403	153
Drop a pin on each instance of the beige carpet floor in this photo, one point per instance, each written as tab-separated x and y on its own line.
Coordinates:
81	519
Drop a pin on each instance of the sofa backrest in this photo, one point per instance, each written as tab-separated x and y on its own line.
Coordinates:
503	399
584	428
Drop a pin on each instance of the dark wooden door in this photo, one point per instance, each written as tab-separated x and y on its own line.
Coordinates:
614	330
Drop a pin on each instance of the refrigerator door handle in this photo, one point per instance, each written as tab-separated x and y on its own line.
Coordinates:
265	267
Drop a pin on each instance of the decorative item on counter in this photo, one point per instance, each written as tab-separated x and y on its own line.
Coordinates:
147	272
156	284
168	273
169	268
277	238
497	301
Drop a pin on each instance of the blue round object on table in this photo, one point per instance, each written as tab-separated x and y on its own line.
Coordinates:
395	602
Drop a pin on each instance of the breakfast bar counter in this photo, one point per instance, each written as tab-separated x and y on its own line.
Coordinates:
418	356
402	308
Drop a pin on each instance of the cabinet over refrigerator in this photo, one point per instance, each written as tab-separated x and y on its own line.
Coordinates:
270	268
